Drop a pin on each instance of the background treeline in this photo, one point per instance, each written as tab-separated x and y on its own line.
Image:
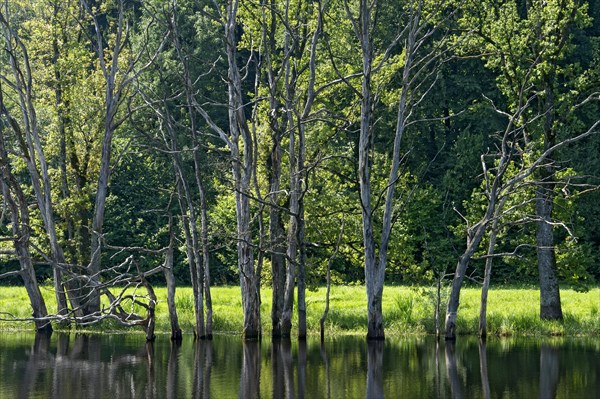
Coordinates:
293	143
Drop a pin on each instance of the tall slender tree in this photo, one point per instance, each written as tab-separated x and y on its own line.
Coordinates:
418	71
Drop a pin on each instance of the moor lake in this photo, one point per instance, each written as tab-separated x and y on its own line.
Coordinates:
125	366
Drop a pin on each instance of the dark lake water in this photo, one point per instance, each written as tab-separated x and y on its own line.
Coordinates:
125	366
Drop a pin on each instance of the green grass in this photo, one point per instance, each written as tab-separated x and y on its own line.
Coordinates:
511	311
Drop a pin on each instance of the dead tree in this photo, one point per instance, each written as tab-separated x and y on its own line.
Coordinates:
16	203
418	76
171	286
117	79
30	144
202	245
500	187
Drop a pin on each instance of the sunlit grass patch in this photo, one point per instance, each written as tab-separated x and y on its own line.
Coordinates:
406	310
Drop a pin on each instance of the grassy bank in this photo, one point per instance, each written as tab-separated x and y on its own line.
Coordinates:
511	311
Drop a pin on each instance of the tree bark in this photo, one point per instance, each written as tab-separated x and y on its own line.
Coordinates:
373	285
486	280
242	166
32	151
176	334
206	265
202	264
20	230
276	234
463	262
112	98
199	329
302	187
550	306
292	243
376	258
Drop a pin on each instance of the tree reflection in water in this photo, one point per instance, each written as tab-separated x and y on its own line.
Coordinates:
549	371
375	369
82	363
250	374
172	369
39	354
124	366
203	359
301	368
452	371
483	370
150	381
327	372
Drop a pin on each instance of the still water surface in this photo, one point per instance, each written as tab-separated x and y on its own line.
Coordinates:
125	366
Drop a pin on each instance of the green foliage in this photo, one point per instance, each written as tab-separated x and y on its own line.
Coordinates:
544	46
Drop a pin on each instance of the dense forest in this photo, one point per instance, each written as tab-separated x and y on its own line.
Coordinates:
295	144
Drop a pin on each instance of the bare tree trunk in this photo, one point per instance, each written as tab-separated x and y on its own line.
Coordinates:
93	304
276	234
302	187
60	293
550	306
292	241
303	183
203	266
32	151
197	254
277	127
438	300
150	322
111	102
199	330
206	265
486	280
376	258
242	166
301	279
62	111
329	264
493	212
249	281
373	286
453	301
119	68
20	230
170	279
